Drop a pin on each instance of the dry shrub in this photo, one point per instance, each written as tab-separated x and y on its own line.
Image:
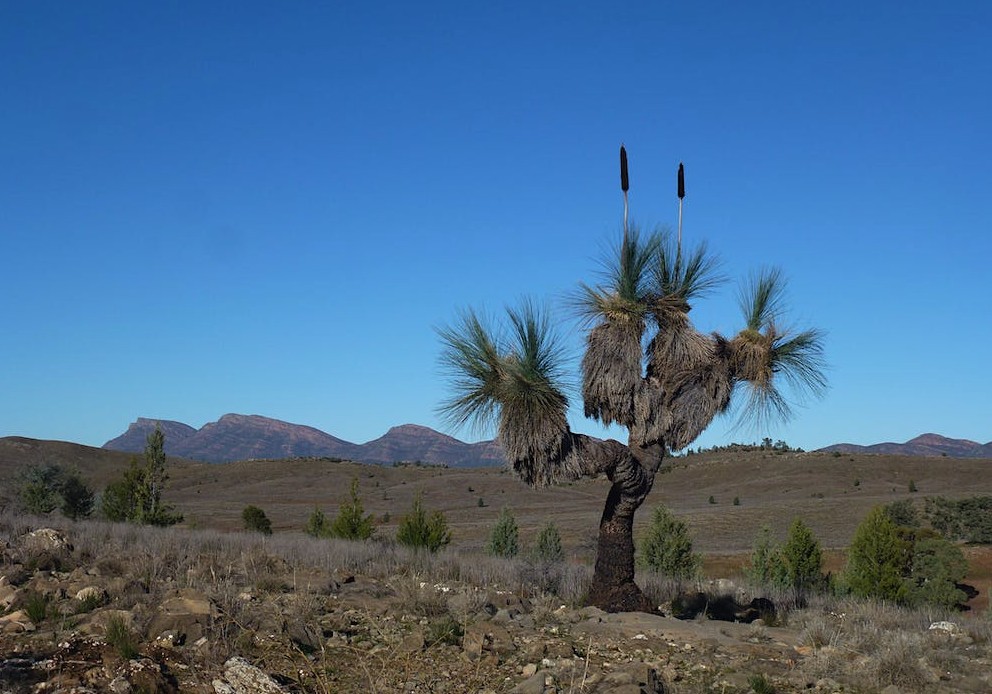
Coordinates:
898	660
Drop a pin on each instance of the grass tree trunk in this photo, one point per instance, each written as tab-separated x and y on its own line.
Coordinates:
613	588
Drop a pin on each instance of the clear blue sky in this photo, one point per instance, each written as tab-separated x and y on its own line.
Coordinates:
267	208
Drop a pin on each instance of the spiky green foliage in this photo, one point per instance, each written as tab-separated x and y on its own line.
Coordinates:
418	531
680	277
137	496
625	292
351	523
504	536
514	380
765	355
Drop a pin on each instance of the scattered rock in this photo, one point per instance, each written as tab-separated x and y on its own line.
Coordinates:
241	677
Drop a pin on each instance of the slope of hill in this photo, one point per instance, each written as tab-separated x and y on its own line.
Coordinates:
252	437
925	445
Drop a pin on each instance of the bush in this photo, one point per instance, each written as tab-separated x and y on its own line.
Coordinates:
937	567
666	547
351	523
77	498
876	559
418	531
548	547
121	638
44	488
317	525
803	560
137	496
504	537
767	567
255	520
903	513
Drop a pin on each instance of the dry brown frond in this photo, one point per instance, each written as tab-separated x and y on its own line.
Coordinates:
612	371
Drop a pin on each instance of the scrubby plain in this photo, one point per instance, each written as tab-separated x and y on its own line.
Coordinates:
323	615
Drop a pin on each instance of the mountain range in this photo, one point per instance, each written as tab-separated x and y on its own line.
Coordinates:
924	445
247	437
253	437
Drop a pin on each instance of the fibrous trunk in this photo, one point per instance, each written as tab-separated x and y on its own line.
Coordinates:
613	588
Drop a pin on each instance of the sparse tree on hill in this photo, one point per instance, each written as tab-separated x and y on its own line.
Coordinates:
351	522
137	496
646	368
77	497
877	558
548	547
504	537
667	547
317	524
38	488
255	520
767	567
417	530
43	488
803	561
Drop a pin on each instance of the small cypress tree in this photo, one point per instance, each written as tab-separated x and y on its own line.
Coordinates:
876	558
351	523
317	525
418	531
504	537
803	560
255	520
666	547
77	497
767	567
548	547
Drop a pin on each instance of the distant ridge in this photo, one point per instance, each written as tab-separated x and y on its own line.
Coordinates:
246	437
932	445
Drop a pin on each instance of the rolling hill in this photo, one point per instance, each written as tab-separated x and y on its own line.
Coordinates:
253	437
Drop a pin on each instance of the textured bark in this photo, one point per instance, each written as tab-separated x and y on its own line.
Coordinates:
613	588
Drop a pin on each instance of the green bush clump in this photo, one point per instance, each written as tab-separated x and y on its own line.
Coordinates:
417	530
120	636
504	537
351	522
548	547
666	547
255	520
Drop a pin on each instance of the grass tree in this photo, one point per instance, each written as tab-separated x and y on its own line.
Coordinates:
646	368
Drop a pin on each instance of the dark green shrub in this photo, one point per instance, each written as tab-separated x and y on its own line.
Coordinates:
446	630
418	531
255	520
803	560
759	684
351	522
121	638
767	567
504	537
548	547
77	497
317	525
36	606
737	501
666	547
876	559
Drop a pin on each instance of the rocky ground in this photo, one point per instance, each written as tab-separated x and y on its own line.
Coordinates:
73	621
